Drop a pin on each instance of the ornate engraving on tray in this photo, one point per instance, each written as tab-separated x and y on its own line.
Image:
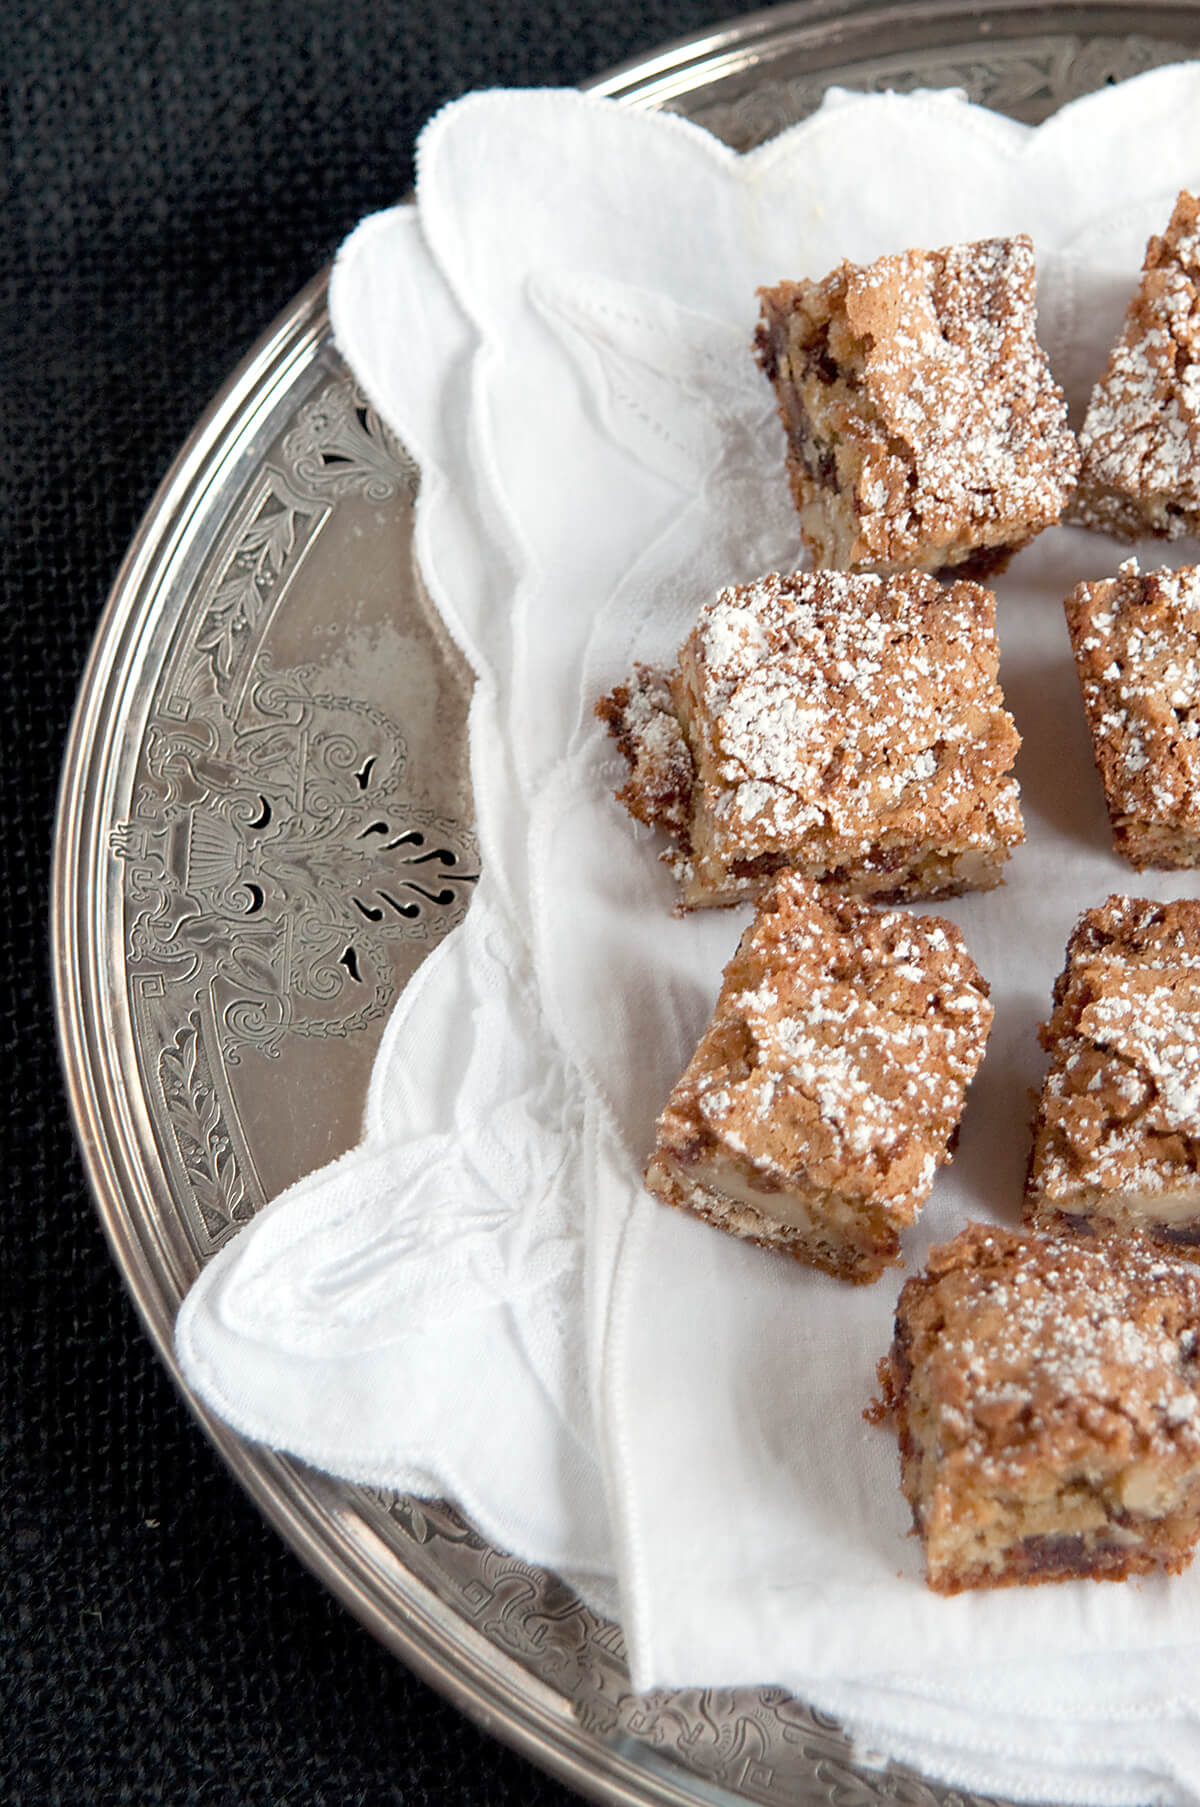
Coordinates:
526	1612
214	1181
263	549
202	1135
271	860
272	856
760	1743
340	447
1028	80
765	1746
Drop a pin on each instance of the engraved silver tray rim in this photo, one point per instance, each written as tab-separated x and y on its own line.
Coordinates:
333	1540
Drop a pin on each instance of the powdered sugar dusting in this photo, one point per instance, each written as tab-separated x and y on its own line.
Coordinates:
924	426
1120	1112
959	376
1046	1350
847	716
1140	441
1136	639
840	1050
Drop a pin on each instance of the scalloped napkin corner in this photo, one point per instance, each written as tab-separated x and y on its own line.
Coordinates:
480	1300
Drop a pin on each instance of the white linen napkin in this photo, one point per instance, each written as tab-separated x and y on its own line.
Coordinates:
480	1300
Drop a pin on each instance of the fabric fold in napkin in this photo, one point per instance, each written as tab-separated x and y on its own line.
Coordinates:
480	1299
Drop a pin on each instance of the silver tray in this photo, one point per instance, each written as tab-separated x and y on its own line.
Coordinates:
264	826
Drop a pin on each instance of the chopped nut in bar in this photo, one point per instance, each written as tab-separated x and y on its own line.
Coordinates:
849	727
829	1085
1140	441
1117	1137
924	429
1047	1397
1136	639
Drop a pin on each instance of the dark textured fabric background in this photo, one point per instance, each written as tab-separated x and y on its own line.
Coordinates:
170	174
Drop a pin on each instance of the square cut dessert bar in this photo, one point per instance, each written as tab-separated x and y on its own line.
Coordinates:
1136	640
1046	1397
924	429
1140	440
829	1084
1117	1135
849	727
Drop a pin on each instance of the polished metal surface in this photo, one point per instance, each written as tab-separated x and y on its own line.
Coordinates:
265	824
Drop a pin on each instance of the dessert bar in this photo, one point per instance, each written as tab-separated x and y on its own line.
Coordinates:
828	1087
1136	639
1140	442
1117	1137
1046	1397
849	727
924	429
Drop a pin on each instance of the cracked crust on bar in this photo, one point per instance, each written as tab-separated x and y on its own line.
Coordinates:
1117	1136
828	1087
1136	640
848	727
1140	441
924	429
1047	1399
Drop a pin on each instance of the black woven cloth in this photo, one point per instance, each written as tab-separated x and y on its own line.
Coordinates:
171	174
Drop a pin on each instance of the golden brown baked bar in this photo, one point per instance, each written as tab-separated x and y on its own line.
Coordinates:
1140	441
1117	1137
924	429
826	1091
1136	639
849	727
1046	1397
